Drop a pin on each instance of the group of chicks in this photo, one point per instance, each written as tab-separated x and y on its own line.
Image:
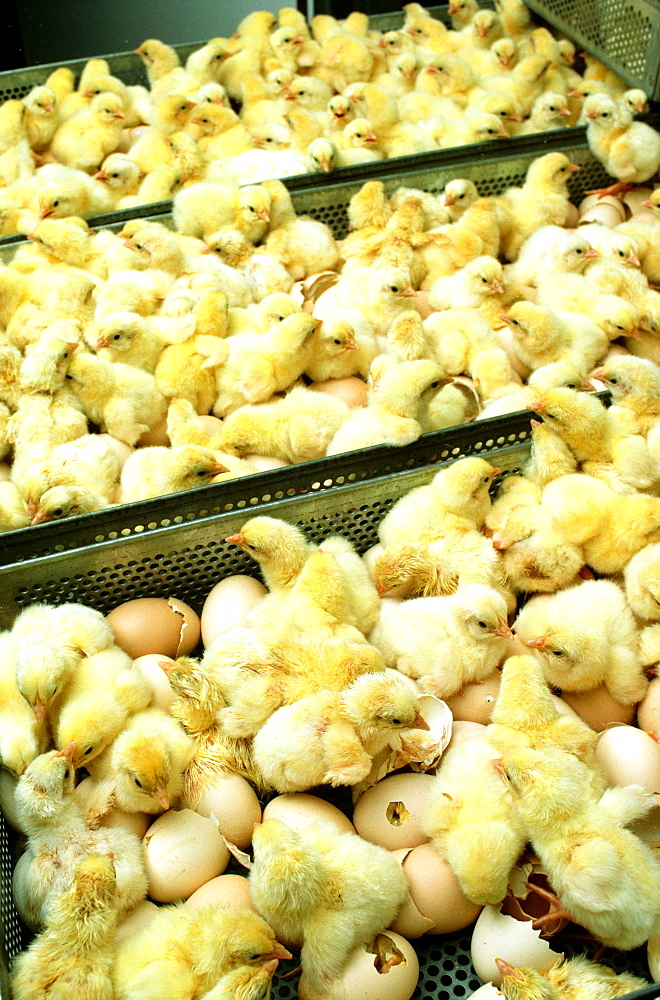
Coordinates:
296	693
245	308
310	98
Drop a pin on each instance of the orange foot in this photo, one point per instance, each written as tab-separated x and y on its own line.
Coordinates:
621	187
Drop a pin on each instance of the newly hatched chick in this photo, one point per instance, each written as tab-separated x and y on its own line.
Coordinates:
629	150
471	820
202	209
342	347
446	642
302	244
184	953
89	463
585	636
332	737
542	200
142	771
642	583
123	400
73	956
41	117
393	409
84	140
78	725
58	838
381	294
326	891
542	335
157	471
22	738
51	641
595	865
560	373
128	338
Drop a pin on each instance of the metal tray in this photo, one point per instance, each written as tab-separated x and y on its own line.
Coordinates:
186	560
623	34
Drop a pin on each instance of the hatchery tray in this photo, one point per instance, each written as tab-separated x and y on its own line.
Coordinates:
186	560
623	34
16	83
492	171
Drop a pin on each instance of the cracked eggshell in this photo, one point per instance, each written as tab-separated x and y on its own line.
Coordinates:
182	851
487	992
389	813
436	893
155	625
234	803
496	935
362	980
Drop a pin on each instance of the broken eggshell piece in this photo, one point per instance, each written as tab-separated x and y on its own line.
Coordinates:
497	935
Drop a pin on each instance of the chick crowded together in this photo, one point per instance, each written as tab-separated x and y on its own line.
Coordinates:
281	97
339	671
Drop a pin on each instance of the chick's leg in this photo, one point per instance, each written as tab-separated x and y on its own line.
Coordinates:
345	758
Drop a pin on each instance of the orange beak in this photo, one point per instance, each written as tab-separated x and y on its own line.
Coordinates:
572	168
278	952
419	723
634	333
633	260
39	517
351	345
409	292
497	285
599	374
502	629
100	175
503	134
540	642
264	216
564	112
514	116
591	253
238	539
507	971
218	468
505	318
450	199
495	472
39	708
381	589
101	342
535	407
119	115
69	752
166	666
161	797
46	213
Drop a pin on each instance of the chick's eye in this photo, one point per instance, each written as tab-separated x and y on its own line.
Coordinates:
336	340
557	652
481	624
393	288
397	722
88	751
614	380
55	203
58	513
434	385
138	783
117	336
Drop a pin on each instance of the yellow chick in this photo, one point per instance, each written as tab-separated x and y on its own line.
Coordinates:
22	738
259	366
297	428
446	642
184	953
595	865
642	583
550	111
471	820
542	335
142	771
343	347
579	658
52	641
332	737
41	117
156	471
89	462
78	728
368	890
392	414
204	208
58	839
565	980
85	140
542	200
182	370
629	150
128	338
123	400
75	951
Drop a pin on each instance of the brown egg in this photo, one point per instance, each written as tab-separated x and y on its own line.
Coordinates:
385	969
629	756
436	891
150	668
476	701
608	210
225	890
598	708
389	813
182	851
352	390
298	810
234	803
155	625
228	604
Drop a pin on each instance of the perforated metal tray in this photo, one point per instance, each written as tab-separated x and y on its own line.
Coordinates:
186	560
623	34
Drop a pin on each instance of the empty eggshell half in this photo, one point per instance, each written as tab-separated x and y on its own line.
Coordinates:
497	935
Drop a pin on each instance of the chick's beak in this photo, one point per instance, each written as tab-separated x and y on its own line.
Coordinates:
70	752
450	199
634	333
497	285
39	708
591	253
101	342
238	539
507	971
409	292
46	213
540	642
502	629
572	167
420	723
39	517
564	112
161	797
351	345
535	407
278	952
218	468
100	175
599	374
264	216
